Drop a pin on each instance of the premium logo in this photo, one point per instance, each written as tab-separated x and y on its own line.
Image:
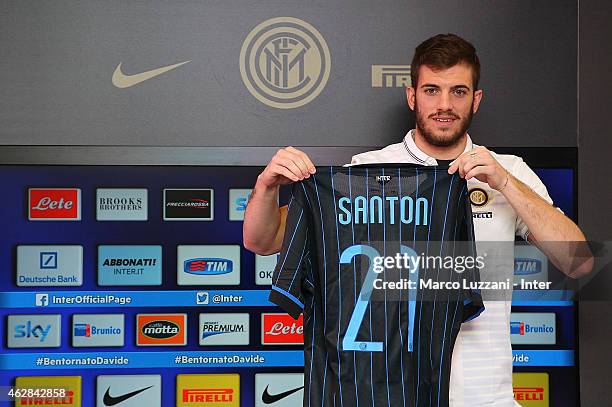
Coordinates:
215	390
129	265
45	266
479	197
34	331
188	204
54	204
264	268
121	204
279	390
282	329
391	76
98	330
530	265
238	199
161	329
224	329
533	328
208	265
121	80
72	385
531	389
128	391
285	62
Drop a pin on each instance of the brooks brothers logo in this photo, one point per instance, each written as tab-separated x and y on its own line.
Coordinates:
390	76
285	62
121	80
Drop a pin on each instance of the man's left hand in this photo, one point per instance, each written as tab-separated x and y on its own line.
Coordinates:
480	164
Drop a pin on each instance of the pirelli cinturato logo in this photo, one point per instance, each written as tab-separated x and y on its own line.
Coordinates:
285	62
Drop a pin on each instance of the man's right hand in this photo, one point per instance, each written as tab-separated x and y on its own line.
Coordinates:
288	165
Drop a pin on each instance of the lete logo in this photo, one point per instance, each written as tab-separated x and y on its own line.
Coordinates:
282	329
54	204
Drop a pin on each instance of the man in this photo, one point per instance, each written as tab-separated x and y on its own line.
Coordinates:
444	96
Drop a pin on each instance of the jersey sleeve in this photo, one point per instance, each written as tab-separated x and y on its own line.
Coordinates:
473	304
292	266
526	175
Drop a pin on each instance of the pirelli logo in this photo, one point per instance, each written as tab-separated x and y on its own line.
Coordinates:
390	76
531	389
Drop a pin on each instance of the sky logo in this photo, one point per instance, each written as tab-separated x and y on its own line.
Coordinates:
48	260
33	331
238	199
208	266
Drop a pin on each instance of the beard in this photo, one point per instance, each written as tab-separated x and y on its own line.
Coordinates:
446	137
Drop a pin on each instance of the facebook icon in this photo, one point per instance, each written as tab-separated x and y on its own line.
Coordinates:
42	300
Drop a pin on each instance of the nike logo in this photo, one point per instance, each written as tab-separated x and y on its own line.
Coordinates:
113	401
122	80
268	398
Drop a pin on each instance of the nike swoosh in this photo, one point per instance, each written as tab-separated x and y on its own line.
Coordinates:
122	80
268	398
112	401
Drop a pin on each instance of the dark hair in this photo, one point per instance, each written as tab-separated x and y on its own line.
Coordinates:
444	51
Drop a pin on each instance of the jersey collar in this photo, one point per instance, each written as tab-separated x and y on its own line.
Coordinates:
419	156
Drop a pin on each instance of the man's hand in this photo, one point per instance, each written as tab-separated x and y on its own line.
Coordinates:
288	165
480	164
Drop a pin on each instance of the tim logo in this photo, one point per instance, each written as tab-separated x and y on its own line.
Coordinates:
285	62
517	328
526	266
390	76
208	266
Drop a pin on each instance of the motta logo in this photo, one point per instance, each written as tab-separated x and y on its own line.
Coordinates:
285	62
282	329
54	204
161	329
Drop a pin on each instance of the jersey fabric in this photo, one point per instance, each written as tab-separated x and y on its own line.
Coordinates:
481	372
366	346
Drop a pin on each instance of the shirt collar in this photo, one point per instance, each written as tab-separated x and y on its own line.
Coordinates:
420	157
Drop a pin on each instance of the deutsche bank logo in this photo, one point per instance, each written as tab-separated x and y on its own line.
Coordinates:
48	260
42	300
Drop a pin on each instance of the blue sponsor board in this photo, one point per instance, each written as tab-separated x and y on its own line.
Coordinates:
129	265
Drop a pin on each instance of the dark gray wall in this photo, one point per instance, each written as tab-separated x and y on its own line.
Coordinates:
57	59
595	195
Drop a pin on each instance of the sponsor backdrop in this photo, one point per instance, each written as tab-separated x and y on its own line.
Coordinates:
141	310
236	73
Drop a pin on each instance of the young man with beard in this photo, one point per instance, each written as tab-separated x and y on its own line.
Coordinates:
444	96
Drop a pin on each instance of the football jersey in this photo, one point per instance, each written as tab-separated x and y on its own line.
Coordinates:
371	257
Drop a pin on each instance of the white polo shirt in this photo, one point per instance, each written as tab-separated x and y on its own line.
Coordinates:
481	368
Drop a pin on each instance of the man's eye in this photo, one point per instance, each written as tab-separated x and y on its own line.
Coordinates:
430	91
460	92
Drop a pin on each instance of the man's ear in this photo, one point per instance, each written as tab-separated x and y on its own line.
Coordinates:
410	97
477	98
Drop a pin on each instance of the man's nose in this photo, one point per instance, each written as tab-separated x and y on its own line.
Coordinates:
444	102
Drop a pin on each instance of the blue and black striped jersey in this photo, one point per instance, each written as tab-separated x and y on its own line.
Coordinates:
377	258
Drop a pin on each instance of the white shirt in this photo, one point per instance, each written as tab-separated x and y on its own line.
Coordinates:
481	367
